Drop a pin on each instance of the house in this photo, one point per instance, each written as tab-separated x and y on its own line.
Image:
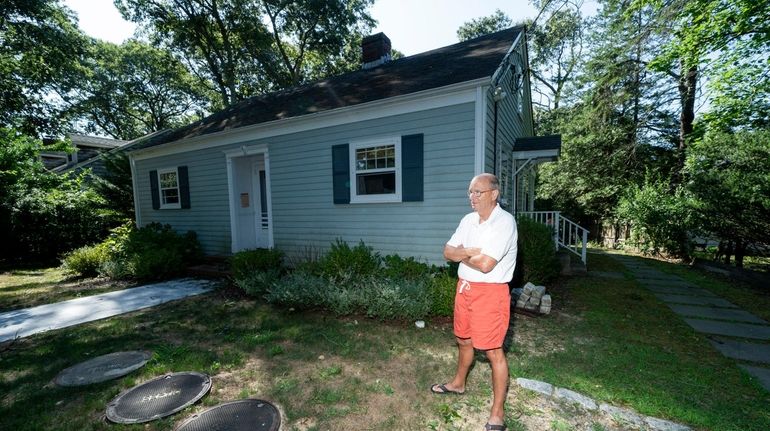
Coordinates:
85	148
381	155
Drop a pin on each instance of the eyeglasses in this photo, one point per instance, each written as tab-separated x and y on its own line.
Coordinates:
477	193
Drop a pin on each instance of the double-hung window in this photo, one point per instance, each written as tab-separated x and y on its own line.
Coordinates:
168	181
375	170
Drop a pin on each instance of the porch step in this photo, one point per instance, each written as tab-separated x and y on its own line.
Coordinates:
211	267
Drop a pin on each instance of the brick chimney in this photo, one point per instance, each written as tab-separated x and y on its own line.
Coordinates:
375	50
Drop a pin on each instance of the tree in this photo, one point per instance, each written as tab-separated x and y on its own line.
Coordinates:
133	89
729	180
557	47
40	52
115	186
484	25
241	48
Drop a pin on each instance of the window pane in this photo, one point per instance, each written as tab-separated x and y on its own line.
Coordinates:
170	196
376	184
168	180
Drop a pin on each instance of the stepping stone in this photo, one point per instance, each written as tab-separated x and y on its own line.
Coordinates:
690	291
608	274
716	313
743	330
695	300
761	374
742	350
665	282
654	276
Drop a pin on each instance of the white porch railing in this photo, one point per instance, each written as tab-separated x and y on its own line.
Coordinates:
566	233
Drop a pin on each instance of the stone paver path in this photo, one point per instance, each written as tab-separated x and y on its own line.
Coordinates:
735	333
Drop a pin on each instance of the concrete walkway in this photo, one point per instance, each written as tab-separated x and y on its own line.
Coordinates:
28	321
736	333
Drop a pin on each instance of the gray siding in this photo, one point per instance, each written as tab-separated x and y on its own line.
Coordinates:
305	219
511	123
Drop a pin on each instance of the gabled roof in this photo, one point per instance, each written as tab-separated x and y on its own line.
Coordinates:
95	141
461	62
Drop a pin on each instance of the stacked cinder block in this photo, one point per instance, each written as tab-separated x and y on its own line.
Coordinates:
532	298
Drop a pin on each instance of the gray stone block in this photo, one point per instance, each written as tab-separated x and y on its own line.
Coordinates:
527	289
544	310
538	291
536	385
577	398
623	415
546	301
743	330
716	313
656	424
742	350
520	303
695	300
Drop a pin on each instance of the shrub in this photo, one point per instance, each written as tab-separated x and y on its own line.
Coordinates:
151	252
299	289
660	219
399	268
246	262
342	260
442	293
86	261
258	283
392	299
538	254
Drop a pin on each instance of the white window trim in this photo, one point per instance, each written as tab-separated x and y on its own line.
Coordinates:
355	198
164	206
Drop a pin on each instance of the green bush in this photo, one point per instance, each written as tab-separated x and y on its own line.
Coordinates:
258	283
154	251
399	268
660	219
246	262
86	261
538	253
342	260
442	290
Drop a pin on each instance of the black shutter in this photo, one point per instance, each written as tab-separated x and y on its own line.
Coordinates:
184	187
341	173
412	168
154	190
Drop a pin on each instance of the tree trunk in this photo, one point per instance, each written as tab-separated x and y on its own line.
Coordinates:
688	82
740	252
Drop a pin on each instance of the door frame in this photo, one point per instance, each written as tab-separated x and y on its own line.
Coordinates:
230	155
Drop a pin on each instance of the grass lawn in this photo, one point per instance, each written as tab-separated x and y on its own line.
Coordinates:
606	338
23	288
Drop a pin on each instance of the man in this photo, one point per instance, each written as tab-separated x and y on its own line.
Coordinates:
485	245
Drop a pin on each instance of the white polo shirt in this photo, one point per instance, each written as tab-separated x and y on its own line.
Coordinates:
496	237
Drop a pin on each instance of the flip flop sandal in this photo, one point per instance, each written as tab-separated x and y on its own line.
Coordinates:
490	427
443	390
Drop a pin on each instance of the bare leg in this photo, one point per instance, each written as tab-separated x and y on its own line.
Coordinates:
499	385
464	362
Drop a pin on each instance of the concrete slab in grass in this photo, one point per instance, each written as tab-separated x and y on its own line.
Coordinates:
695	300
665	283
716	313
742	350
761	374
689	291
742	330
608	274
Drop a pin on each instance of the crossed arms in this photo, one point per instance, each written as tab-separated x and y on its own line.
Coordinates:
470	256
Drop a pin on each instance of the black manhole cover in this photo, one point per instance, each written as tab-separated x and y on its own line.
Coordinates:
158	398
103	368
252	415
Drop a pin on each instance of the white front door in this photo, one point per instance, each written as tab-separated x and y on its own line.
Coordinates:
250	199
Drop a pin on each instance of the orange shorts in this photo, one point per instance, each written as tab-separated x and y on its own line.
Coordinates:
482	313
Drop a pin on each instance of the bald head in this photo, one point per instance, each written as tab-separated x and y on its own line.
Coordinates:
487	179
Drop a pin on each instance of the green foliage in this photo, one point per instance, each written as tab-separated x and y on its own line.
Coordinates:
442	290
40	48
538	253
485	25
729	183
152	252
398	268
86	261
254	271
115	186
246	262
134	89
660	219
342	261
48	222
248	47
